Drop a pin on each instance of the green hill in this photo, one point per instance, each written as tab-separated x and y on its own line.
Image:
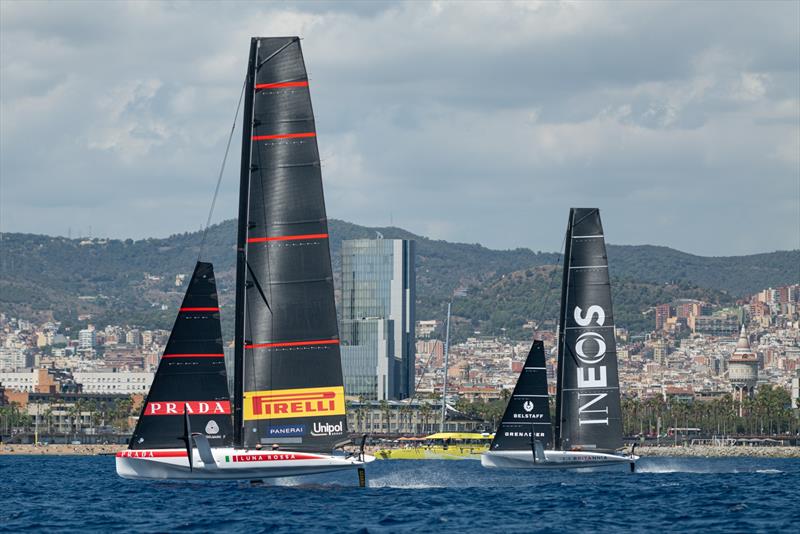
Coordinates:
108	279
504	305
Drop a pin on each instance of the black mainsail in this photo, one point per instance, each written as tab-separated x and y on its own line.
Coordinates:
190	377
527	416
288	386
587	401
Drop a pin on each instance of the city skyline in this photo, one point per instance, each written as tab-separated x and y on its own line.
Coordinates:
458	123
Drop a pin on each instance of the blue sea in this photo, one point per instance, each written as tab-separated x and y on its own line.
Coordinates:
84	494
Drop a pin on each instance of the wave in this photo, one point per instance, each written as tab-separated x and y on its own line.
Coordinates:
682	466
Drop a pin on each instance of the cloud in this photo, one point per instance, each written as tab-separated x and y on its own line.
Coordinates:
477	122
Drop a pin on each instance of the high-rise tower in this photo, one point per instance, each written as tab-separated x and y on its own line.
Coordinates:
377	306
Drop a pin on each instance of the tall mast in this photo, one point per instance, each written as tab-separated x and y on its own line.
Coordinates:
446	355
562	320
241	242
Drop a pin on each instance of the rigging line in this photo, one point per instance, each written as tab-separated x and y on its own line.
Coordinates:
221	171
591	212
275	53
421	376
561	334
268	260
251	363
266	225
258	286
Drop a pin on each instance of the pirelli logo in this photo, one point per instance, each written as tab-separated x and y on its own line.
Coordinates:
290	403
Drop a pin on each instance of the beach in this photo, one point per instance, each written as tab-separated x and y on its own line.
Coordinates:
61	450
698	451
705	451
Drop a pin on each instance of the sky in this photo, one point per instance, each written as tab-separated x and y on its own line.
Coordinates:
472	122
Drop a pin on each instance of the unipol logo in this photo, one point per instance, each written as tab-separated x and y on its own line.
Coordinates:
326	429
590	349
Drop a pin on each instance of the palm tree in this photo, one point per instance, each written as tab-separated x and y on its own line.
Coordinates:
122	409
360	414
72	414
104	412
48	417
425	411
386	411
91	407
79	409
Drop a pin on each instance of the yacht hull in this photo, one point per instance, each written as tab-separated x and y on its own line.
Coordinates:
230	464
554	460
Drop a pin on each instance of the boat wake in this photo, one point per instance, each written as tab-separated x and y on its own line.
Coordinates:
429	474
679	466
692	466
413	479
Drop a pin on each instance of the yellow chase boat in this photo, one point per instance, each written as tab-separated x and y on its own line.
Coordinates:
439	446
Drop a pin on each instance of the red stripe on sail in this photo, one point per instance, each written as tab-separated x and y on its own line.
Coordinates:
151	454
293	344
193	356
287	238
198	309
281	84
283	136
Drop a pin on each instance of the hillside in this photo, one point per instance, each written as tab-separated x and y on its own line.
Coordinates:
737	275
108	278
505	304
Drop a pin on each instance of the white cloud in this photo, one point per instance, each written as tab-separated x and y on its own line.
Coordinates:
479	121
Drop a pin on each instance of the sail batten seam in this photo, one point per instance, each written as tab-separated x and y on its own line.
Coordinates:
281	85
221	355
300	237
292	344
283	136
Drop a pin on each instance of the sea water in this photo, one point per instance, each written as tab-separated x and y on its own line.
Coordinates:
84	494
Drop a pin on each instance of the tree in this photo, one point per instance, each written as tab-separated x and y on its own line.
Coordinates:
425	412
360	413
386	411
122	410
94	416
48	417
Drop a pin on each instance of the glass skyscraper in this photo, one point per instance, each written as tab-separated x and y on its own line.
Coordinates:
377	330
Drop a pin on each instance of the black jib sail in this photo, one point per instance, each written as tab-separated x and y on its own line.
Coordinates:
191	375
288	379
587	401
527	416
